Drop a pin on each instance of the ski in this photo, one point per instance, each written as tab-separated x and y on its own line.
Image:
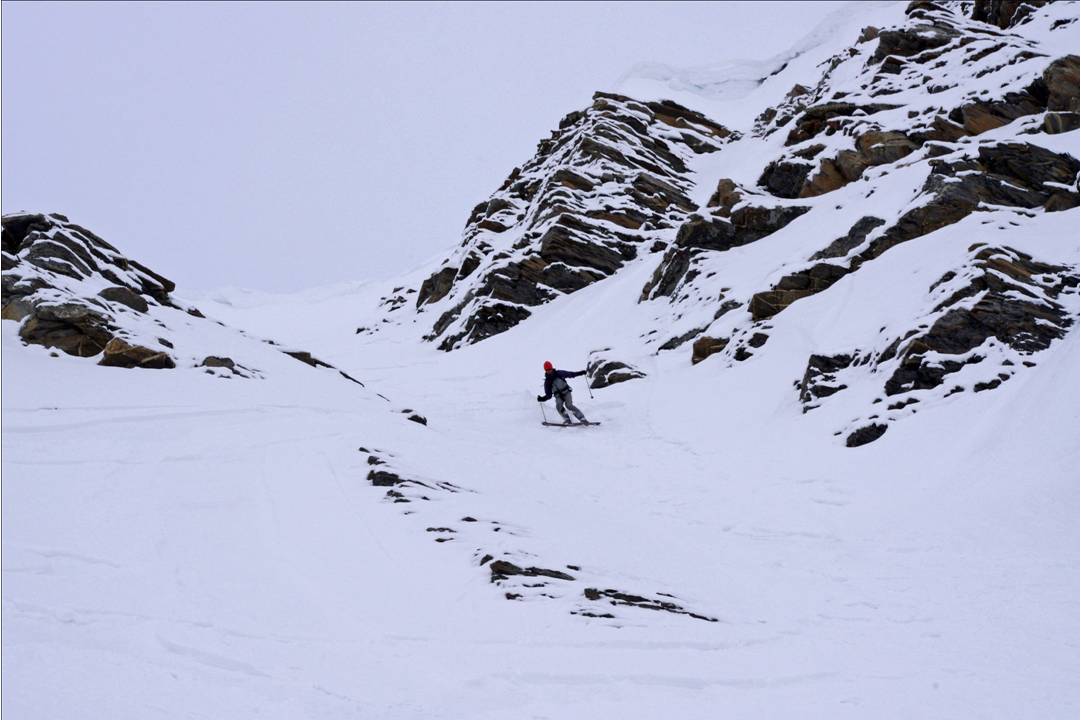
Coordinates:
580	424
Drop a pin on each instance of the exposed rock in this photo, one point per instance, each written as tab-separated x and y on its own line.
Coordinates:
1016	305
705	346
436	287
725	197
830	118
1010	174
1056	122
501	570
37	248
212	361
618	597
385	478
913	40
72	327
1062	80
415	417
818	378
793	287
1002	13
120	353
872	148
125	296
867	434
746	224
673	343
566	240
784	178
306	358
603	370
851	240
980	116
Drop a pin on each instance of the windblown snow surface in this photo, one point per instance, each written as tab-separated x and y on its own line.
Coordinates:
179	544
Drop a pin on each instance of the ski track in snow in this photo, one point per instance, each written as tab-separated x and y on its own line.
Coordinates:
179	545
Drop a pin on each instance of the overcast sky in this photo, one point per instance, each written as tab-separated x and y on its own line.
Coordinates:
278	146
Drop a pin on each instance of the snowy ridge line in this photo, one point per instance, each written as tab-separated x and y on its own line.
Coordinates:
513	570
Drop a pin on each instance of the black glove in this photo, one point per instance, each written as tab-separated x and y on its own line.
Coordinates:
540	398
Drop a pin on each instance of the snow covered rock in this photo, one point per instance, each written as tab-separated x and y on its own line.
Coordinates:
604	369
989	318
937	52
73	291
604	188
901	101
1004	13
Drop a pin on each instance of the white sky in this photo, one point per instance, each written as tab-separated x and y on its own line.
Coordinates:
279	146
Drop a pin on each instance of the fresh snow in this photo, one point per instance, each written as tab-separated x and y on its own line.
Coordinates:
184	544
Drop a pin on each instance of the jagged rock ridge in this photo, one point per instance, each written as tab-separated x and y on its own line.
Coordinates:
604	188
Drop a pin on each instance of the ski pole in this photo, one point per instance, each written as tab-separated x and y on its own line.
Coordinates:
543	414
587	384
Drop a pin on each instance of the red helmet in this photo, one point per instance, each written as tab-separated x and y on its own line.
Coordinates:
548	365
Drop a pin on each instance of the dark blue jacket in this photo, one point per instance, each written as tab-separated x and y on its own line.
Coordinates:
550	378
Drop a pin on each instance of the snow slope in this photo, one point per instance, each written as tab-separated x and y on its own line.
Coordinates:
181	545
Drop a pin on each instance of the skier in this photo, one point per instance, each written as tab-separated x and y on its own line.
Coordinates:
555	383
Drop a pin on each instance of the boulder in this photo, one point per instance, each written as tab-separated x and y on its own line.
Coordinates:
785	178
120	353
1062	81
705	346
866	434
125	296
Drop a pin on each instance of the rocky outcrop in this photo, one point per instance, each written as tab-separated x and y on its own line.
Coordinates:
52	269
866	434
907	59
988	318
716	232
601	190
1008	174
118	353
604	369
793	287
1017	175
1005	295
855	237
1004	13
705	346
820	378
664	604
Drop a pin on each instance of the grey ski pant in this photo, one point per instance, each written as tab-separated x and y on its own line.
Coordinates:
564	403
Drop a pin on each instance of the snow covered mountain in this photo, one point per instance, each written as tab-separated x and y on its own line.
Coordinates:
828	305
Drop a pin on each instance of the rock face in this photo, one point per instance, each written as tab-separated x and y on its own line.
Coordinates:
1004	13
601	190
1016	303
722	230
1006	175
51	268
604	369
822	158
71	290
988	318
